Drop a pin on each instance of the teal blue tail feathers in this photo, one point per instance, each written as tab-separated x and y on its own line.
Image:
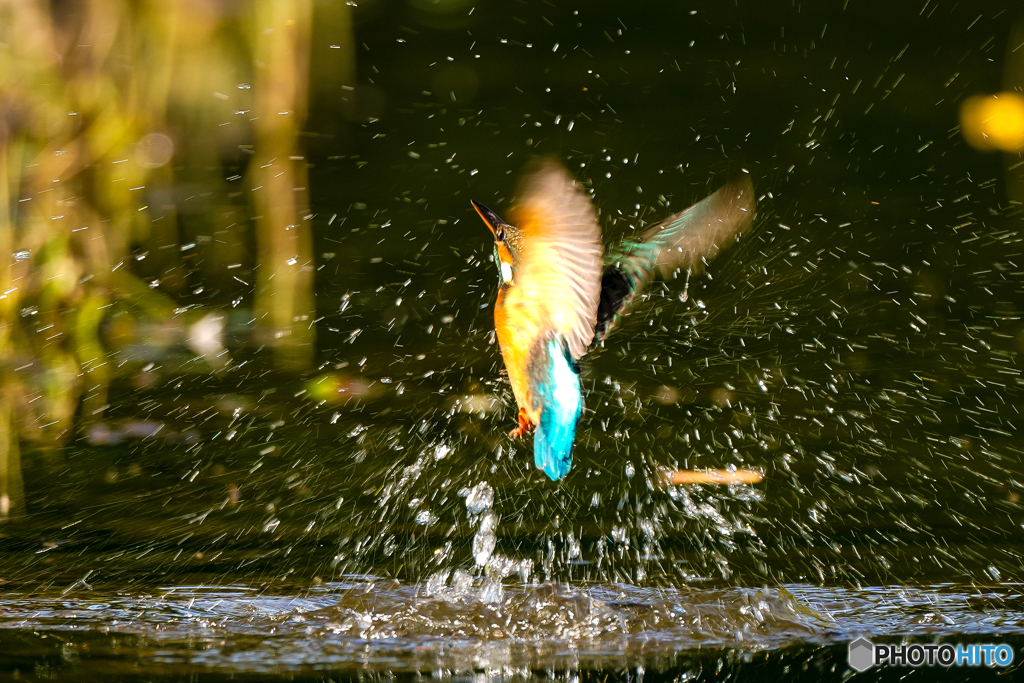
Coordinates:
685	241
558	390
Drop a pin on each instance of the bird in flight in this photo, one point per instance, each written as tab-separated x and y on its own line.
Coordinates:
560	293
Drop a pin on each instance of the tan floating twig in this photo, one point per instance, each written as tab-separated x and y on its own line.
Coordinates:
718	476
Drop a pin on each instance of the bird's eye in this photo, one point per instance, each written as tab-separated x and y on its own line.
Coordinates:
499	234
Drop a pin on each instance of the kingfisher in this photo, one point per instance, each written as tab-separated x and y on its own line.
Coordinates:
560	294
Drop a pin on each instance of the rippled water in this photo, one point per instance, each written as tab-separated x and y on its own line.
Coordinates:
457	625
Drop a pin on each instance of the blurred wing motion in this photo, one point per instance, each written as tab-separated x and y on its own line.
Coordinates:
686	241
559	273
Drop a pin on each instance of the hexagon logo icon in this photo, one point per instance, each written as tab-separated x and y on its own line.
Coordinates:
862	654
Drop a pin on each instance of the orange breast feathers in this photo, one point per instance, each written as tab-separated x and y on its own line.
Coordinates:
518	325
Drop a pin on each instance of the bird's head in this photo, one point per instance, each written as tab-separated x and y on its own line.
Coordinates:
507	243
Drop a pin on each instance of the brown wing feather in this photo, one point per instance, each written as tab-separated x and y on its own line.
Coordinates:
685	241
693	237
560	273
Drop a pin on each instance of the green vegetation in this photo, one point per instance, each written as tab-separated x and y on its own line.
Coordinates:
111	113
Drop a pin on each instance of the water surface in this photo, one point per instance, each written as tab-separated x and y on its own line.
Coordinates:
861	348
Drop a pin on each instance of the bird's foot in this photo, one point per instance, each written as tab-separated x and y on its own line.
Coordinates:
525	425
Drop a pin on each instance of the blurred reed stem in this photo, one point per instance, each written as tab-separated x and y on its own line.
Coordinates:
277	176
12	493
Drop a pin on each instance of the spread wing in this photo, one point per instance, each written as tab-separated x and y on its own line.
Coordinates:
691	238
560	271
685	241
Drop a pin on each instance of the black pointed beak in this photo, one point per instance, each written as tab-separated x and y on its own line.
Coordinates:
490	218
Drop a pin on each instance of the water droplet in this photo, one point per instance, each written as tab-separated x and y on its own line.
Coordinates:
479	498
425	517
485	539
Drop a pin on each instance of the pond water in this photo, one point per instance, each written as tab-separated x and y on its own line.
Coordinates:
372	519
373	628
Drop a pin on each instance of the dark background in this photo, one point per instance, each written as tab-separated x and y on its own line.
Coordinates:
861	346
